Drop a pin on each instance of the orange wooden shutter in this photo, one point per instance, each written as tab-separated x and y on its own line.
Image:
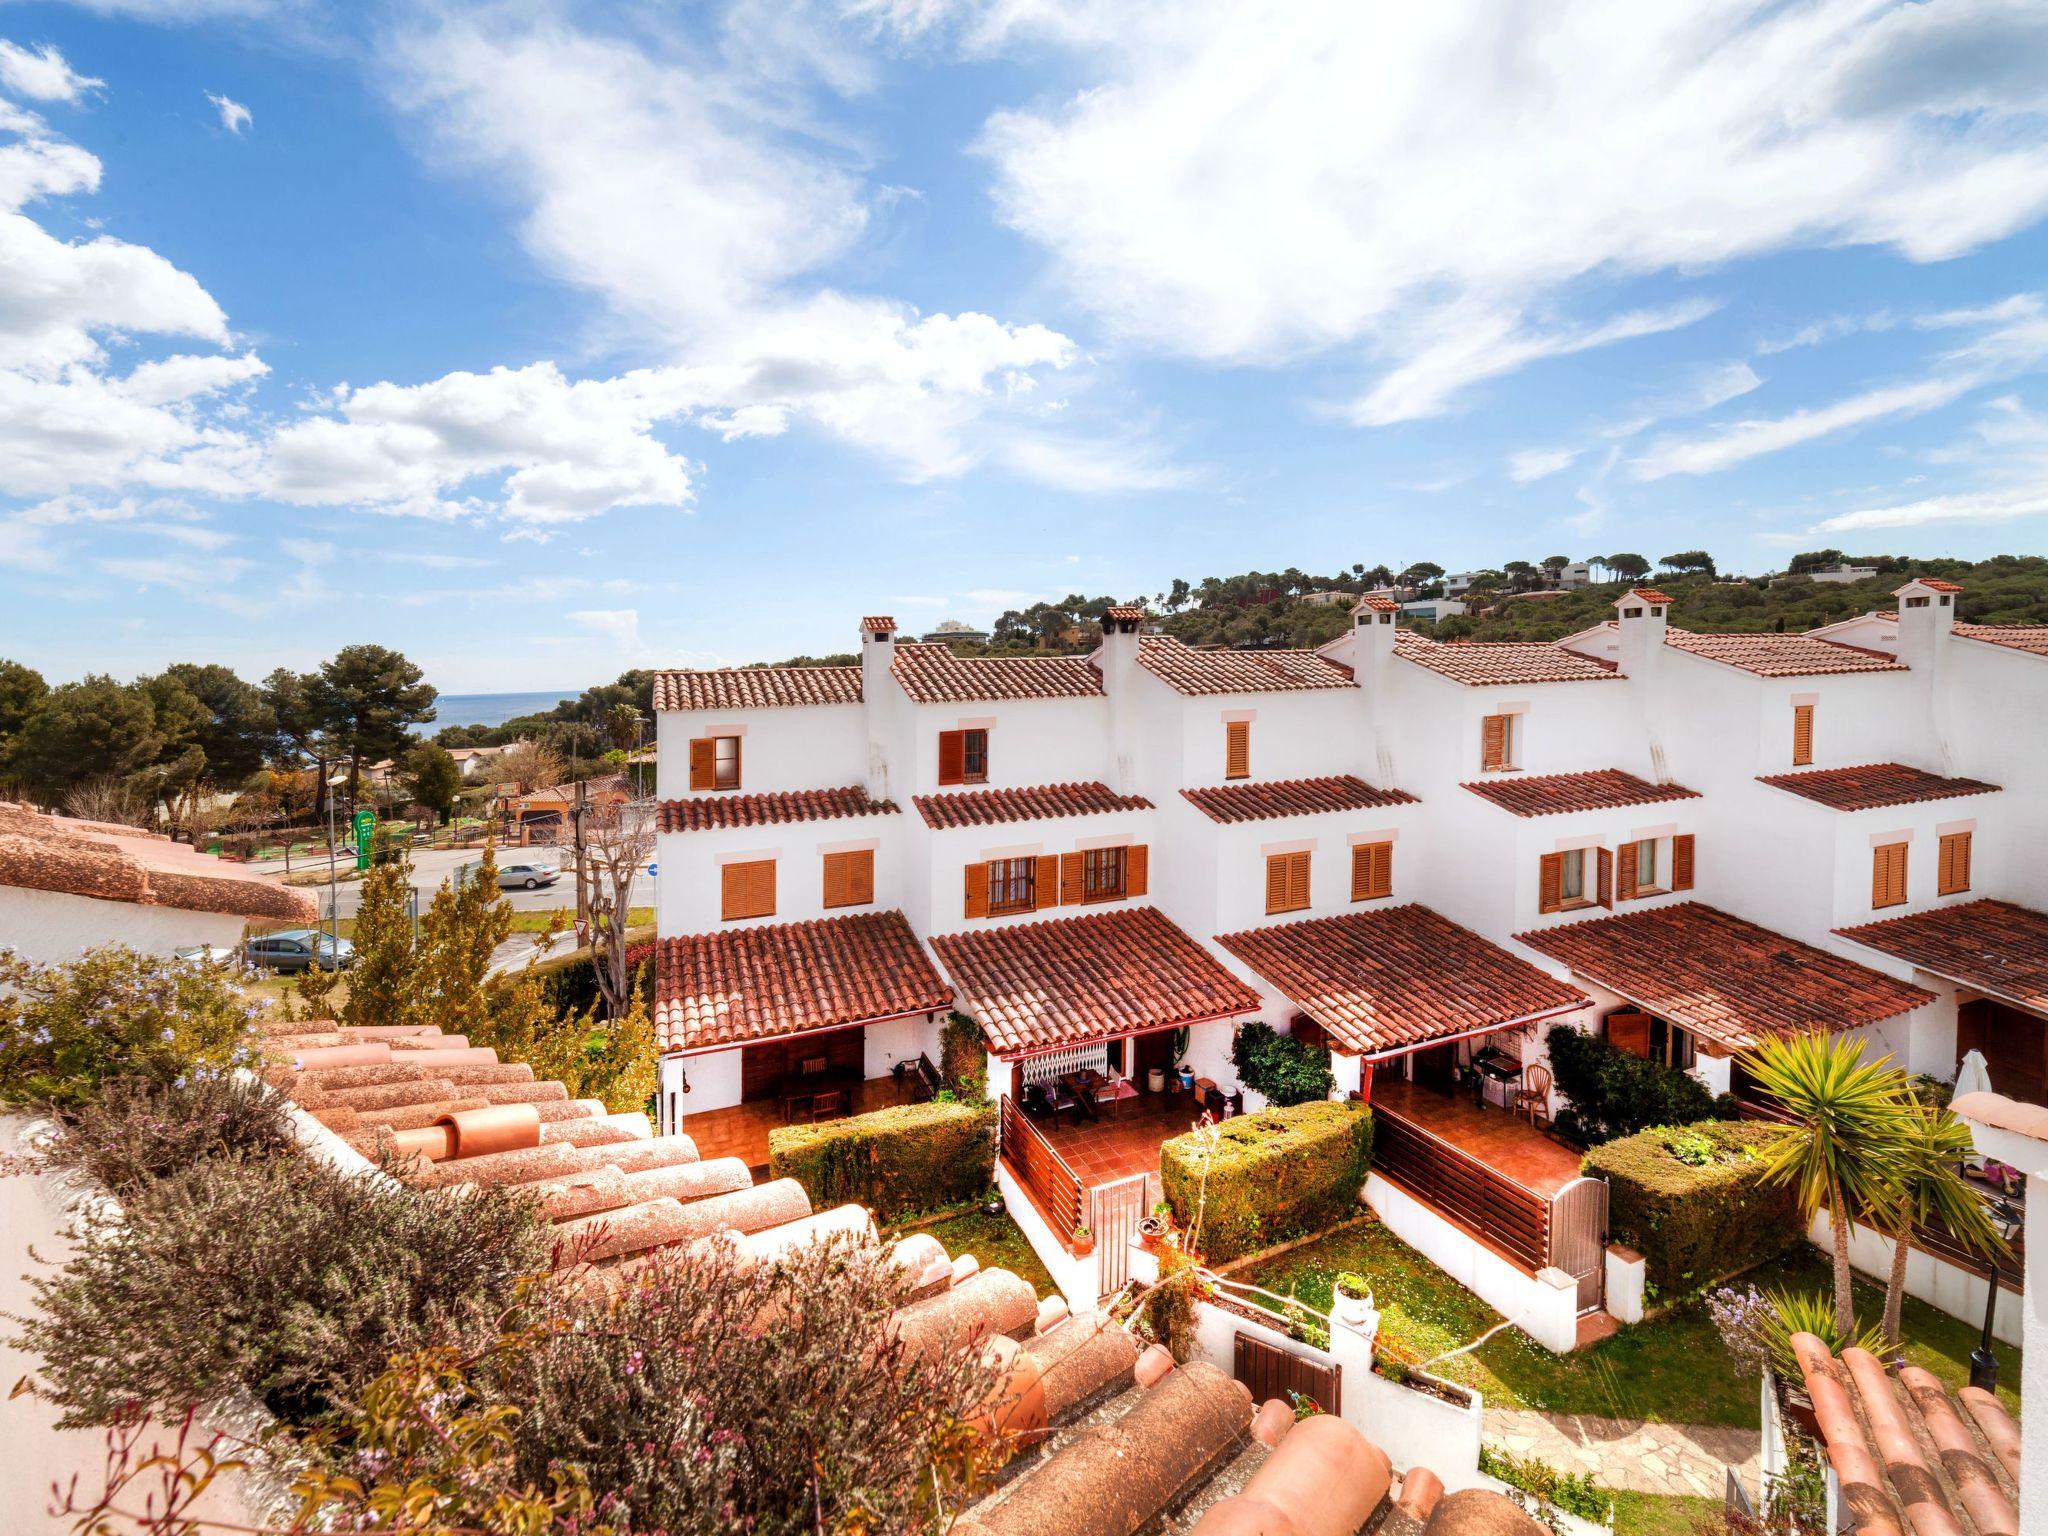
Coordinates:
1073	879
1625	876
747	889
1493	743
835	880
1276	882
1605	888
1802	735
1629	1031
860	877
952	757
1046	887
703	763
1237	749
1550	883
1297	881
764	889
1681	862
1136	874
1955	863
1372	871
1361	871
977	890
1888	875
732	891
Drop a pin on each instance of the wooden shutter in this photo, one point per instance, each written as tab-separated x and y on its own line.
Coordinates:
1629	1031
952	757
1287	882
1361	871
1550	883
1297	880
1073	879
1955	863
1888	875
1681	862
1136	875
977	890
1493	743
1802	735
850	878
1605	888
703	763
1372	871
1045	890
1625	876
1237	749
835	880
747	889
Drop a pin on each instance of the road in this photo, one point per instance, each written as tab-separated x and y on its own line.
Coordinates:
431	868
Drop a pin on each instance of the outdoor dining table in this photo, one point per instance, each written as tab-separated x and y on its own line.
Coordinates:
804	1088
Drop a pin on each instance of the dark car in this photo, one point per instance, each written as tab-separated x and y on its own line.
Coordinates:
294	950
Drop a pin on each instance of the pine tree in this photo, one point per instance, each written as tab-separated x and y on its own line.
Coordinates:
382	989
466	922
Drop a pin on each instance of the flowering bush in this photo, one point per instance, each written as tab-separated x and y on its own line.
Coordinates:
140	1129
65	1029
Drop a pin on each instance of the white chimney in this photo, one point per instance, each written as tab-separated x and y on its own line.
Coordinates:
1927	617
878	697
1118	660
1372	662
1640	617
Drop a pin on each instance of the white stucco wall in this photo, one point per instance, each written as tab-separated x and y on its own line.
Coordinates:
51	927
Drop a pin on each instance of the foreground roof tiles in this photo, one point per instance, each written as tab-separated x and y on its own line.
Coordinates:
1770	655
1553	794
1486	663
987	807
1871	785
1993	946
1193	672
69	857
709	812
1035	986
744	984
1723	977
1292	797
1399	976
2031	638
756	687
932	674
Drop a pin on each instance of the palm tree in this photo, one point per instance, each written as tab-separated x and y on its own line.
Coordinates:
1847	1136
1932	1190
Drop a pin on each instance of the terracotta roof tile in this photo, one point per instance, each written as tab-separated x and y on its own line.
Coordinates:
1722	977
1770	655
877	624
932	674
1132	611
1397	976
1552	794
743	984
1649	595
1871	785
1936	584
1034	986
710	812
1484	663
1292	797
986	807
1378	604
1193	672
756	687
70	857
1993	946
2031	638
607	784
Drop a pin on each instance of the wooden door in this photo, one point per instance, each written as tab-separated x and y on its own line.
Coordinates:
2015	1047
1436	1066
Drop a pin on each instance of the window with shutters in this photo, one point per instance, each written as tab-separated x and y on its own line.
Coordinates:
963	757
1287	882
1681	861
1372	871
725	760
1888	875
850	878
1955	863
1237	749
1102	874
1500	743
1802	735
1571	882
747	889
1561	881
1012	886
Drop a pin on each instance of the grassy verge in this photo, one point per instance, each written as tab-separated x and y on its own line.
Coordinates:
998	1242
1662	1514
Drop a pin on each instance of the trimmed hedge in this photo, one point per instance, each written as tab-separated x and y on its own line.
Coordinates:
896	1162
1696	1224
1274	1175
1614	1093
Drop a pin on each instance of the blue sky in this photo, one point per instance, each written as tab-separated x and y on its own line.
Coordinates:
541	340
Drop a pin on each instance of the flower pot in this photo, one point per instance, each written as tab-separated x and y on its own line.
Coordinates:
1083	1244
1155	1080
1152	1231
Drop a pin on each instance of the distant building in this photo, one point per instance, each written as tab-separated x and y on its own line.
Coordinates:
953	629
1433	608
1842	573
1577	574
1456	584
1330	598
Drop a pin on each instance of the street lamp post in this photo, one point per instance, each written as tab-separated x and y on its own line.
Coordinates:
333	880
1983	1363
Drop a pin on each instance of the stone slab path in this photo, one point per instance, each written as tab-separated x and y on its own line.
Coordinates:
1632	1454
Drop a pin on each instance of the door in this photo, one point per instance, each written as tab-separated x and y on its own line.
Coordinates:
1436	1066
1114	1211
2015	1047
1578	1238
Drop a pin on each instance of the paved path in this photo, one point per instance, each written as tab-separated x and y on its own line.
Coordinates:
1632	1453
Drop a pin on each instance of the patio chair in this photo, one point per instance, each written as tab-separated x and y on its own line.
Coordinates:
828	1103
1534	1094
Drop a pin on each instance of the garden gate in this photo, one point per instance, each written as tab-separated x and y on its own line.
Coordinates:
1578	1238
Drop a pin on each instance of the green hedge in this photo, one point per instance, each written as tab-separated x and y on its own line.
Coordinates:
1274	1175
1614	1093
1692	1200
896	1162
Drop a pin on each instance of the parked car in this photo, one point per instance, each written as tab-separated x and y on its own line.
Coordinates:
527	877
211	954
294	949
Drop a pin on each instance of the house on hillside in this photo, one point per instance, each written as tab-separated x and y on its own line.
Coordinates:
547	814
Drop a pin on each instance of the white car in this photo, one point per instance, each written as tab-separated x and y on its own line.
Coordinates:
229	955
526	877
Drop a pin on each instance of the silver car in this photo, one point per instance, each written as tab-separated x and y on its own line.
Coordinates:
300	949
526	877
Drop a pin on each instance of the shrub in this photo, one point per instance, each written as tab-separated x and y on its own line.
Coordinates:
1274	1175
140	1130
963	1057
1614	1093
913	1157
1696	1222
275	1274
1573	1492
1282	1068
65	1029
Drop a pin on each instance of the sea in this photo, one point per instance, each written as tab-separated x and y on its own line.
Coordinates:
492	708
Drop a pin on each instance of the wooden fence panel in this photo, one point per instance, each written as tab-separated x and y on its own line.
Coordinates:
1509	1218
1270	1371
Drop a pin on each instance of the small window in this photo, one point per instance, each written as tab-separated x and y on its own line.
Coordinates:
1955	863
1102	874
850	878
1888	875
1646	865
725	762
1287	882
974	757
1012	886
1500	743
1372	871
1572	882
1237	749
747	889
1802	735
1916	602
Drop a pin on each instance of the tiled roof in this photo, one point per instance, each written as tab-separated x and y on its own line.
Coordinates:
1482	663
1770	655
932	674
709	812
743	984
1993	946
1397	976
1034	986
1723	977
1871	785
1649	595
593	789
69	857
986	807
2031	638
756	687
1552	794
875	624
1193	672
1292	797
1378	604
1126	611
1936	584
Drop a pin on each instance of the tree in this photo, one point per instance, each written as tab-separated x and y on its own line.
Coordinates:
465	923
1177	595
217	732
1628	567
382	985
1813	560
1556	563
1421	574
434	778
1689	562
372	697
301	707
1932	1192
83	731
1849	1135
21	690
109	798
614	848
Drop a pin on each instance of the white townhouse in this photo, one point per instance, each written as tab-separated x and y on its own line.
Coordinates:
1425	855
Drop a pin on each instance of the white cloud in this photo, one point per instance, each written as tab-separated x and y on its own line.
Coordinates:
620	625
234	117
41	74
2009	447
1962	507
1533	464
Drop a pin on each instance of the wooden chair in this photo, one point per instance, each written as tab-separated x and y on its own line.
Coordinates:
1534	1094
828	1103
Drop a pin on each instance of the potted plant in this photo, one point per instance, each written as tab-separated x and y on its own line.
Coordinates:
1154	1228
1351	1305
1084	1241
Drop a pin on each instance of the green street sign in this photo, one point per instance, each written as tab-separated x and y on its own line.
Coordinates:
366	833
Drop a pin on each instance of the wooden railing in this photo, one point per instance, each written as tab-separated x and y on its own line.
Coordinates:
1271	1371
1508	1217
1054	1188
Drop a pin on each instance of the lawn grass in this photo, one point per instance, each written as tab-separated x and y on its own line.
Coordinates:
1662	1514
998	1243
